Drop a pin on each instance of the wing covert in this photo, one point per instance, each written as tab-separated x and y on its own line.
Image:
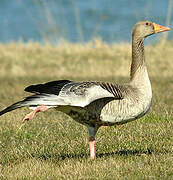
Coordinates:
65	92
83	93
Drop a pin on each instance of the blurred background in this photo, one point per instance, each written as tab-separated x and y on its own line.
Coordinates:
78	20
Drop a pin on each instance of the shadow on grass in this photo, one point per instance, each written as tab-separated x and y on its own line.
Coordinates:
101	155
126	153
54	158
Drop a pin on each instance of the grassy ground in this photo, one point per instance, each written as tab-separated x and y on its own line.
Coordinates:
53	146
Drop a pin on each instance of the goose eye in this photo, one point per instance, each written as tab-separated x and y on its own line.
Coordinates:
147	23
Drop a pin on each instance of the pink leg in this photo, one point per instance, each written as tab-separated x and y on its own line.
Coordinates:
32	114
92	147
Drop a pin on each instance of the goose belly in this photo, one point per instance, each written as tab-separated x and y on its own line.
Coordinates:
107	112
123	111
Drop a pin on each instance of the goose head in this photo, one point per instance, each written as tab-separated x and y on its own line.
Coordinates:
146	28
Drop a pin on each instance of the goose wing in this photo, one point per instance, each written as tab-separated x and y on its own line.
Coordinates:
65	92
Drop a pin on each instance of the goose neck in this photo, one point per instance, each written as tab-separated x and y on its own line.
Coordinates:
138	56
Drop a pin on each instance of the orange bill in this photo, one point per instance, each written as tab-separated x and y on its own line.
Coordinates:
158	28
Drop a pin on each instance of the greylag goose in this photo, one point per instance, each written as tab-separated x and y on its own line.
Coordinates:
97	104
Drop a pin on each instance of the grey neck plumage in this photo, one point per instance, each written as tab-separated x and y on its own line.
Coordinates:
138	57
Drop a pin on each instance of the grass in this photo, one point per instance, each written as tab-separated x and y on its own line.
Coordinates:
53	146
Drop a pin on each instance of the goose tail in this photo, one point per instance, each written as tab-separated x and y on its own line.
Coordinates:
35	100
12	107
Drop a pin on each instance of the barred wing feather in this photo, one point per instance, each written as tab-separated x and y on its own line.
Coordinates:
65	92
76	93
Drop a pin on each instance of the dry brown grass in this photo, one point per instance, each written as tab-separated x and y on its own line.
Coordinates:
65	59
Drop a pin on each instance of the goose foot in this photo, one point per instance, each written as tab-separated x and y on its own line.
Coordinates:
32	114
92	148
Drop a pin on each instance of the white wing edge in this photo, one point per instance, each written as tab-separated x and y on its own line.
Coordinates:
93	93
